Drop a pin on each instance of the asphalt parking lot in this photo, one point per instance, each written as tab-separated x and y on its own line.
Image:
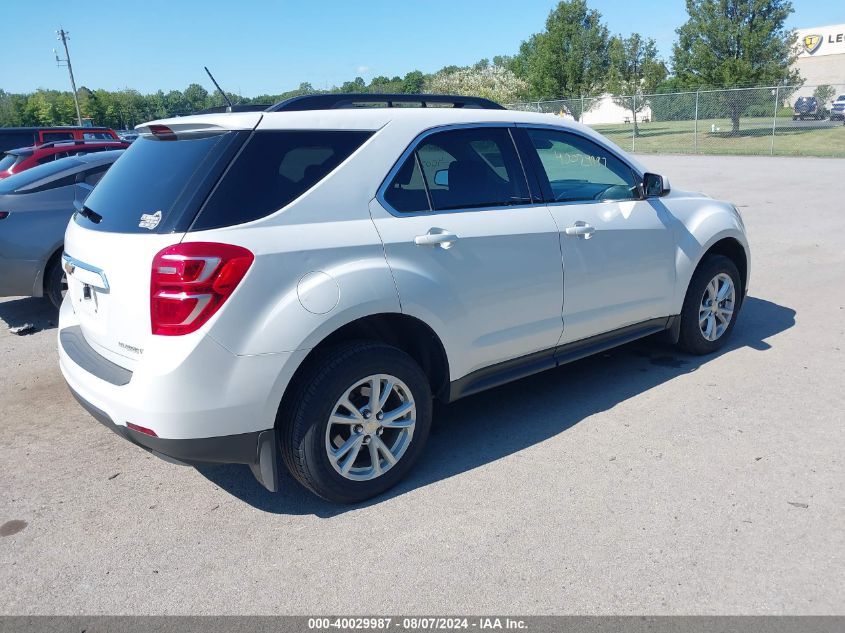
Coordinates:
639	481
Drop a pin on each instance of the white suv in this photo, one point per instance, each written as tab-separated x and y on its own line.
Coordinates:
297	285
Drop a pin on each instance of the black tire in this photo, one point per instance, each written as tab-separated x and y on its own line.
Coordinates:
55	283
691	338
304	417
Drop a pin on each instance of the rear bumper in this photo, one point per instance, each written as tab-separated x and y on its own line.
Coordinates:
205	404
258	449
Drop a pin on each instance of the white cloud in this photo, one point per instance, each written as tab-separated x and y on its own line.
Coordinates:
362	70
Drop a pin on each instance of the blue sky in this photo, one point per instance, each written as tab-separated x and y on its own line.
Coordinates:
264	46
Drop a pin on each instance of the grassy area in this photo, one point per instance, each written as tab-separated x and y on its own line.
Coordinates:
806	138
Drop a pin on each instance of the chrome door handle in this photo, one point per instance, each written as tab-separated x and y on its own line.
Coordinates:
436	237
580	229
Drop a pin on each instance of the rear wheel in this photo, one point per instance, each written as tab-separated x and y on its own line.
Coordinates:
711	306
55	283
359	420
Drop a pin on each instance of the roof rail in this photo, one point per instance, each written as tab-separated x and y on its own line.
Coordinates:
70	141
238	107
335	101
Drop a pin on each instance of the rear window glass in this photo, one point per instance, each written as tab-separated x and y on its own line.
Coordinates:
16	182
274	169
8	160
158	185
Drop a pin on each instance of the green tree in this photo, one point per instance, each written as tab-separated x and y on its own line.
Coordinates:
635	71
356	85
824	95
569	58
729	43
196	98
413	82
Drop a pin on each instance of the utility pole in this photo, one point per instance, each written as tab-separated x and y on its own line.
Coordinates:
63	36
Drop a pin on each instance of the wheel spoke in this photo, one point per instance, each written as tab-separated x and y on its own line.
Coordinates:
348	445
713	289
338	418
385	394
353	454
391	416
724	290
381	446
346	404
375	394
374	458
711	327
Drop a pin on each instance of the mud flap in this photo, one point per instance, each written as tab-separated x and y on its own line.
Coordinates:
266	466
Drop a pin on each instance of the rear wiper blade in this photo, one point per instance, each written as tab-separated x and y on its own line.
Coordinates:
89	213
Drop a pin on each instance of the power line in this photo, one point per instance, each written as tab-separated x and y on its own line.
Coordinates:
63	36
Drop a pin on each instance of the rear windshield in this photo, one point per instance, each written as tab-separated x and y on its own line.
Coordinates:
16	182
157	185
9	160
273	170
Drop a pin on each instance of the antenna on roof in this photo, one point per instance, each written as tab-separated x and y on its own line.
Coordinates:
219	89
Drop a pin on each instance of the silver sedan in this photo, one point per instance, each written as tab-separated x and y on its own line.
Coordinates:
35	207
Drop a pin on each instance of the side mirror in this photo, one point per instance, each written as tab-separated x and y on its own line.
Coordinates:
653	186
441	178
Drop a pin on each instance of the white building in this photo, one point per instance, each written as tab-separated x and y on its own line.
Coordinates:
821	58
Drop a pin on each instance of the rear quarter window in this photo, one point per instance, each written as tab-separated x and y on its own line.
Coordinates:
167	180
274	169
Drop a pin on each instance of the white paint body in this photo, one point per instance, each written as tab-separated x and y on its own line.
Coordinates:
513	284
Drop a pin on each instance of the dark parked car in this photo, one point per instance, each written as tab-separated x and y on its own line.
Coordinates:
15	137
15	161
35	207
807	108
837	112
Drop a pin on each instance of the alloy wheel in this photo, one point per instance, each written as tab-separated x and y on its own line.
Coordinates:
717	307
370	427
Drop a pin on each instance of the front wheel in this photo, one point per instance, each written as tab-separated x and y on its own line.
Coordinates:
358	421
711	305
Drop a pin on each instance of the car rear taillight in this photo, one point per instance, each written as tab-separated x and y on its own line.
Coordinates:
4	215
190	281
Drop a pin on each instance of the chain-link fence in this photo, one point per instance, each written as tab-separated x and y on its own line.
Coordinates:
776	120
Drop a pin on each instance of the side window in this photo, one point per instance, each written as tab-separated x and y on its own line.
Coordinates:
53	184
96	136
406	192
274	169
461	169
92	176
57	136
472	168
580	170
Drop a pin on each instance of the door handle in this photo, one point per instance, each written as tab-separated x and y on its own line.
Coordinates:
580	229
437	237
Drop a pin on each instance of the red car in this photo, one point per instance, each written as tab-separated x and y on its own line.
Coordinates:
14	137
15	161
